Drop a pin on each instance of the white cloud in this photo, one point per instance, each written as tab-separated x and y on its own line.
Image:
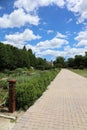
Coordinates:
79	7
30	5
52	53
82	43
71	52
18	18
56	42
60	35
19	39
68	33
70	20
34	48
22	14
82	38
67	52
16	44
49	31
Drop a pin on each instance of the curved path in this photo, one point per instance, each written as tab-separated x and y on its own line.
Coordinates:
62	107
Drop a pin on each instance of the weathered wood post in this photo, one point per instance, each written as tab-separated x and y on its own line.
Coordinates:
12	95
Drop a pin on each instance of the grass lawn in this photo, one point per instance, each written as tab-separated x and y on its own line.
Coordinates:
81	72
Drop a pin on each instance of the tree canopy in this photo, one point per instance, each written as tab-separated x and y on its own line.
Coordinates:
12	58
78	62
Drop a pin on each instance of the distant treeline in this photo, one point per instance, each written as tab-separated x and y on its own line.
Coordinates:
78	62
12	58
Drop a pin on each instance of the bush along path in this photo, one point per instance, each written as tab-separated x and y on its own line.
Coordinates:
28	91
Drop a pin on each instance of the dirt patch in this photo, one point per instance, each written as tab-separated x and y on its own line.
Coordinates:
5	123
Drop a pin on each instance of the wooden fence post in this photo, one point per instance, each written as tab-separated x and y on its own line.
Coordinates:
12	95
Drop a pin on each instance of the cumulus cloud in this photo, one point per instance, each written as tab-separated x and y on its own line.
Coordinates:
25	11
34	49
72	51
18	18
60	35
56	42
52	53
82	38
21	38
19	44
29	5
67	52
79	7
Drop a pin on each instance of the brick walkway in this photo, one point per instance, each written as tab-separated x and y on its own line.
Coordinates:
62	107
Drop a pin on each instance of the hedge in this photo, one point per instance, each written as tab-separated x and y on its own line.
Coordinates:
27	92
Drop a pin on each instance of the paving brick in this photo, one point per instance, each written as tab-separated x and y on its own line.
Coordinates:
62	107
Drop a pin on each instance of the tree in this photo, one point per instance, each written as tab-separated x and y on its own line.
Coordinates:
85	60
32	58
25	57
85	53
59	62
78	61
2	56
70	62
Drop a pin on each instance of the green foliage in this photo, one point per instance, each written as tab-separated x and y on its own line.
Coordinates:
29	86
2	75
70	62
60	62
3	91
81	67
78	62
3	84
29	90
12	58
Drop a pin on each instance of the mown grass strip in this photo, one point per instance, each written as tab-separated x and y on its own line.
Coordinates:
82	72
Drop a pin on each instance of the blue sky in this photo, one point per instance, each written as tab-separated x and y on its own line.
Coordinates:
50	28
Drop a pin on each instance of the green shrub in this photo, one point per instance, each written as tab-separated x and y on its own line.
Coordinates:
2	75
30	90
4	84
